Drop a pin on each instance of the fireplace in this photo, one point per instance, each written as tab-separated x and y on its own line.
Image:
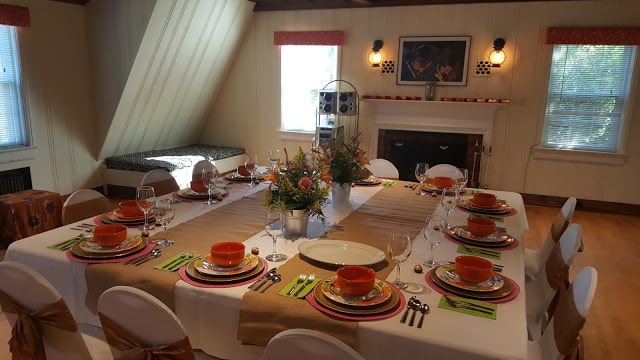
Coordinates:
405	148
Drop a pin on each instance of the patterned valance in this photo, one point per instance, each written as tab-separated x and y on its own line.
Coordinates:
623	35
14	15
308	38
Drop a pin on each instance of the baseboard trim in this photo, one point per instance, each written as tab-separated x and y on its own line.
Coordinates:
582	204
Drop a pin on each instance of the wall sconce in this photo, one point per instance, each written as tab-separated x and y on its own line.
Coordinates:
375	57
497	57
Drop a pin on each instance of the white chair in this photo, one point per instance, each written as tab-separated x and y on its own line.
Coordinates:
196	175
29	292
161	180
383	168
83	204
443	170
134	319
572	310
534	260
308	345
540	292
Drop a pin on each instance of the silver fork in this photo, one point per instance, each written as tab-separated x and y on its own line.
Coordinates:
300	280
480	251
310	279
469	306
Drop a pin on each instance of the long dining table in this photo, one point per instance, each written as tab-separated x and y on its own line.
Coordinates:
233	322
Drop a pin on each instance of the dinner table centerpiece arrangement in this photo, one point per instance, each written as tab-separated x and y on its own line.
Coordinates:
298	190
344	163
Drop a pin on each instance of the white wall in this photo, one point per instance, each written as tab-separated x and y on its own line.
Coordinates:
247	110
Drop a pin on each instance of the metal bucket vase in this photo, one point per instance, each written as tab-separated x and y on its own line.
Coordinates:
340	193
295	222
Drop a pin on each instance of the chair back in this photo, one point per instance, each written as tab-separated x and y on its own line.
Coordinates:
383	168
24	290
134	319
308	345
161	180
84	203
443	170
196	175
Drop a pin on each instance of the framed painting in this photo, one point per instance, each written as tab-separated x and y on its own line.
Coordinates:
443	59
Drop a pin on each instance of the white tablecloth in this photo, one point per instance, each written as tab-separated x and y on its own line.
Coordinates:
210	315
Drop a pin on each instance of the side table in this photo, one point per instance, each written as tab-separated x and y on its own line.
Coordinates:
27	213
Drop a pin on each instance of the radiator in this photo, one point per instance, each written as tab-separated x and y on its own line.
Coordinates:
15	180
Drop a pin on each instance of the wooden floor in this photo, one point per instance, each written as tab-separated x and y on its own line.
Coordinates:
612	246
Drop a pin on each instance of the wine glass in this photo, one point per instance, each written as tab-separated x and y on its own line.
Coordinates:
273	228
433	226
462	179
146	200
274	158
251	164
449	200
421	175
164	213
209	179
399	249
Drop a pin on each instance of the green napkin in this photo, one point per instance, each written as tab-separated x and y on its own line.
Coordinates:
494	312
175	262
389	183
489	254
471	191
64	245
490	217
307	288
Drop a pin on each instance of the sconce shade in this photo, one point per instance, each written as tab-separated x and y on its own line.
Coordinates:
375	57
497	56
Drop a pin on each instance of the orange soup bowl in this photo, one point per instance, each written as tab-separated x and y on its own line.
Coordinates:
473	269
109	234
242	170
355	280
480	226
484	199
129	208
443	182
228	253
198	186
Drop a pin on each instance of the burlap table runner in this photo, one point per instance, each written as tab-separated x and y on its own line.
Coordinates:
236	221
263	315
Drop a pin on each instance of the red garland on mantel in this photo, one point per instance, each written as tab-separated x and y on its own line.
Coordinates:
623	35
308	38
14	15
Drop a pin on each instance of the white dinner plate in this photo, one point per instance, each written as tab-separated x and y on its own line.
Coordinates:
340	252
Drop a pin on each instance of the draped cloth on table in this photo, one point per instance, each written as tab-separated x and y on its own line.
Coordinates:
263	315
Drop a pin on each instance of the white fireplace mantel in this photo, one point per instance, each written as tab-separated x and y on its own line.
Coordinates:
431	116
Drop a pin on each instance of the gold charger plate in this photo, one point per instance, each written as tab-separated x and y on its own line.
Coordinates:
76	250
447	273
350	310
496	237
502	209
190	194
195	275
208	268
380	294
504	291
506	242
93	248
111	218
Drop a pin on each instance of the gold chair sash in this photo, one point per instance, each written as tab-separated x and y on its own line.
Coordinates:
556	269
131	349
567	323
26	336
558	227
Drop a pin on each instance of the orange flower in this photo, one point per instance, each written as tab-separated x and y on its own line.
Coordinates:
305	183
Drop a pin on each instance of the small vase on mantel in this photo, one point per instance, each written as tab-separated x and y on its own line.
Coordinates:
296	222
340	192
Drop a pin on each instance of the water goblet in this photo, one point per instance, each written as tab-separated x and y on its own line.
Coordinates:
145	199
210	179
273	228
461	179
251	164
164	213
449	200
274	158
399	249
434	225
421	174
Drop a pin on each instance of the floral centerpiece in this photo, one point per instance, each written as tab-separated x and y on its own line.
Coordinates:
343	160
297	185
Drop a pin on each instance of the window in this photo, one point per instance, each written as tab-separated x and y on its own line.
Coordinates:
13	123
304	69
588	89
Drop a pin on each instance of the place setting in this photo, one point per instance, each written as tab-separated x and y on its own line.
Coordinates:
226	265
109	243
483	235
369	181
129	213
486	203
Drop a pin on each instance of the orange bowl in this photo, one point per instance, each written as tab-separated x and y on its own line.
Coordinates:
484	199
109	234
355	280
198	186
443	181
479	226
242	170
228	253
129	208
473	269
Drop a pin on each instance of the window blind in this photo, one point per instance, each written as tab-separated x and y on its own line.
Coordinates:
12	124
588	88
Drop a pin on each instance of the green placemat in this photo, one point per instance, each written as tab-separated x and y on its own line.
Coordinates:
66	244
485	309
490	217
176	262
481	252
307	288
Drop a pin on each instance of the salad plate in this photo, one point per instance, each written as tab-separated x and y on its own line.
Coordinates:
91	247
206	266
325	302
194	274
112	218
499	209
448	274
380	294
504	291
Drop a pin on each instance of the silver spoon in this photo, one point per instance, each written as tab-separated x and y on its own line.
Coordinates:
424	309
415	306
265	276
406	312
300	280
276	279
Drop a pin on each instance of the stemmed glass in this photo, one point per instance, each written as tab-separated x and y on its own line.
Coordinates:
433	226
449	200
421	175
210	179
273	228
461	179
399	249
146	200
251	164
274	158
164	213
